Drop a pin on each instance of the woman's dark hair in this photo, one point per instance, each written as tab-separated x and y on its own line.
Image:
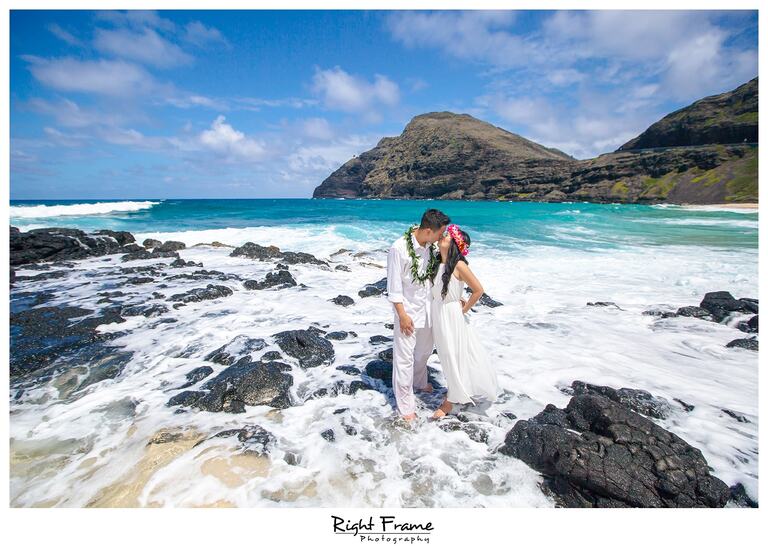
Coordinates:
434	219
454	257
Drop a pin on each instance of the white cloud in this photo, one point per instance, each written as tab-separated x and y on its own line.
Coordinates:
116	78
310	164
229	143
136	18
317	128
145	46
200	35
342	91
63	35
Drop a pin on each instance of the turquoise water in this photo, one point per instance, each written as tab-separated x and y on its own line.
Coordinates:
499	224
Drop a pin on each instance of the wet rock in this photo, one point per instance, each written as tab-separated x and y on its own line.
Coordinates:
349	370
147	255
375	289
485	299
344	301
389	326
280	279
740	497
602	304
380	369
635	399
736	415
386	355
694	311
262	253
722	304
749	326
240	346
749	343
342	268
151	310
661	313
750	304
59	244
328	435
197	375
244	383
169	246
256	439
378	340
337	336
43	276
139	280
598	453
271	355
210	292
151	243
307	346
686	406
475	431
123	238
42	336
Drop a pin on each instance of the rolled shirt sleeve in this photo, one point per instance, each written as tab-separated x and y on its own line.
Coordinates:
394	276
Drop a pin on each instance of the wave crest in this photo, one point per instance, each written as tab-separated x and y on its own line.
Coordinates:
78	209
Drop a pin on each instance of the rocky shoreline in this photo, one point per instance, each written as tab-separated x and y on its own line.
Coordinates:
606	448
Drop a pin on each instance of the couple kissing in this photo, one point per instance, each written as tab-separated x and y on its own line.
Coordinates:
427	270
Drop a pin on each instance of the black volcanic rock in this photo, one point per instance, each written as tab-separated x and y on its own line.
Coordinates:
728	118
262	253
307	346
245	383
598	453
59	244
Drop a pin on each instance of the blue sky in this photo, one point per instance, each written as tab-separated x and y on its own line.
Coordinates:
239	104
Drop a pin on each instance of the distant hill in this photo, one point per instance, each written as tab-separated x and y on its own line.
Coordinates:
694	155
448	155
728	118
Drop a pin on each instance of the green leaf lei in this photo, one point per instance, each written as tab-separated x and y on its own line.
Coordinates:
434	260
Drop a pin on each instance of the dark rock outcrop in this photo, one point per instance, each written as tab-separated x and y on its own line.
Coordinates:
635	399
264	253
344	301
210	292
598	453
306	346
749	343
59	244
240	346
374	289
275	279
244	383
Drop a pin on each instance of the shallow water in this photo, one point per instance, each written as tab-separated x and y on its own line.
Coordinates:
544	262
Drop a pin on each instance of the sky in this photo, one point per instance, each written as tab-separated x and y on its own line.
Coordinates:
263	104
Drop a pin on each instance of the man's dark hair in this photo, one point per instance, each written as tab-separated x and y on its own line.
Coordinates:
434	219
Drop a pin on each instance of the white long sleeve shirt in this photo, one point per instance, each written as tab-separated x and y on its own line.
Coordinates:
401	287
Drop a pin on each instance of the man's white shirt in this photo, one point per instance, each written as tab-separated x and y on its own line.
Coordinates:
401	287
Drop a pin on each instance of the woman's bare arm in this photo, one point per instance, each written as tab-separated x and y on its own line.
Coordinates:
464	273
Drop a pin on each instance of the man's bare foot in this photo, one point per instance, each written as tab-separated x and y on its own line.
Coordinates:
443	410
409	417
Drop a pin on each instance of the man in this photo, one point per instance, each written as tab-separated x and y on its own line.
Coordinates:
411	298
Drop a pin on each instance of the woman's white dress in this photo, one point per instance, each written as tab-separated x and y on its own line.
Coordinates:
466	365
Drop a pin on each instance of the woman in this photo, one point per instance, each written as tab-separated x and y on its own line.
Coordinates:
465	363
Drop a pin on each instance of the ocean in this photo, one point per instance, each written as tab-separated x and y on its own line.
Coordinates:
543	261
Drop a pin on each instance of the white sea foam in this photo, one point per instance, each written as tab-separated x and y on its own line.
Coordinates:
720	222
78	209
86	449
